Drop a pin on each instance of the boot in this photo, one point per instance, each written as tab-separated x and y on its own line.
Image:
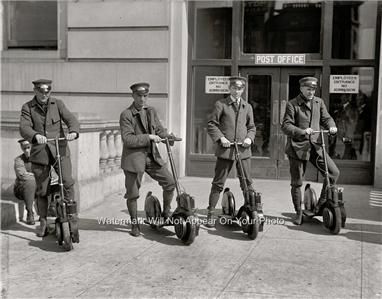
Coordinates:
30	218
43	230
211	221
213	200
132	207
135	229
298	219
296	198
167	198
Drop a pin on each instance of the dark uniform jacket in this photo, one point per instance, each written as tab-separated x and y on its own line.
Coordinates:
298	117
135	129
23	171
34	120
225	120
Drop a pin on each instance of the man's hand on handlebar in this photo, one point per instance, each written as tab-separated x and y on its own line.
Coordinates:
40	139
247	142
308	131
225	142
333	130
71	136
155	138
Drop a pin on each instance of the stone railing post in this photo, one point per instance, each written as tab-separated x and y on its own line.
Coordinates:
118	148
111	149
104	153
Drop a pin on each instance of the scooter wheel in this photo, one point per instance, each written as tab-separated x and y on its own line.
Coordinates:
75	234
244	221
58	232
66	236
228	203
152	209
332	219
253	226
343	216
186	228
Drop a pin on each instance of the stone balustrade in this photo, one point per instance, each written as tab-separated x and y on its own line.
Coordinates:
110	147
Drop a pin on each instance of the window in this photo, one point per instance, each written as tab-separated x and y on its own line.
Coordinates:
354	29
281	26
352	113
32	25
213	33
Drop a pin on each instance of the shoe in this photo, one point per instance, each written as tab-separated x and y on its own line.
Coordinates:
298	218
43	230
30	219
211	221
135	230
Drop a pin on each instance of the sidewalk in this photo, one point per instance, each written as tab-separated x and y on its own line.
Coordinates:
284	261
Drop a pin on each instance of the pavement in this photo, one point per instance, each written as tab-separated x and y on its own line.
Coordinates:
284	261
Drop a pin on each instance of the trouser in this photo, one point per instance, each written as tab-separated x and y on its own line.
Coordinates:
160	174
297	172
222	169
26	191
42	176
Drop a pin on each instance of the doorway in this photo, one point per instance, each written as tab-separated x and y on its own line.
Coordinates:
268	91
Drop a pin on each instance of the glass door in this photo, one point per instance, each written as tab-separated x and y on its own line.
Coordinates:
262	93
268	91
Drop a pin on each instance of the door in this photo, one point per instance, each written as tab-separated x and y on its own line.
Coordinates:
268	91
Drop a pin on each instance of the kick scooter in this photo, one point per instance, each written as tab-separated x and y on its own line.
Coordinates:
66	223
250	216
332	210
184	219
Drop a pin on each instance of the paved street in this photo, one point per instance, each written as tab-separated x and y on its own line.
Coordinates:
284	261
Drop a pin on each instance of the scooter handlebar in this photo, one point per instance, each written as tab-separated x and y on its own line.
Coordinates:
233	143
323	131
54	139
171	139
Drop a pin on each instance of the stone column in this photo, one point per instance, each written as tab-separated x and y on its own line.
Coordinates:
118	148
111	149
104	153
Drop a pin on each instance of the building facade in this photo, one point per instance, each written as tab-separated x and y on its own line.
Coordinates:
94	50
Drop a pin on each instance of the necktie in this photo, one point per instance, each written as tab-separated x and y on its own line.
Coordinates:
237	104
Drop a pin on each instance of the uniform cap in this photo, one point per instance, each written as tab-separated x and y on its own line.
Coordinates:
309	81
237	81
42	81
140	88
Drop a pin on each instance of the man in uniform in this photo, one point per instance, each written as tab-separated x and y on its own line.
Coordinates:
141	130
25	184
231	120
41	118
303	115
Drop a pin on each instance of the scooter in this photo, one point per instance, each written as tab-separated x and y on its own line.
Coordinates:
184	219
250	216
332	210
66	223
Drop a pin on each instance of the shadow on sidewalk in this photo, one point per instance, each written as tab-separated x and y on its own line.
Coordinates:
48	243
369	233
164	235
